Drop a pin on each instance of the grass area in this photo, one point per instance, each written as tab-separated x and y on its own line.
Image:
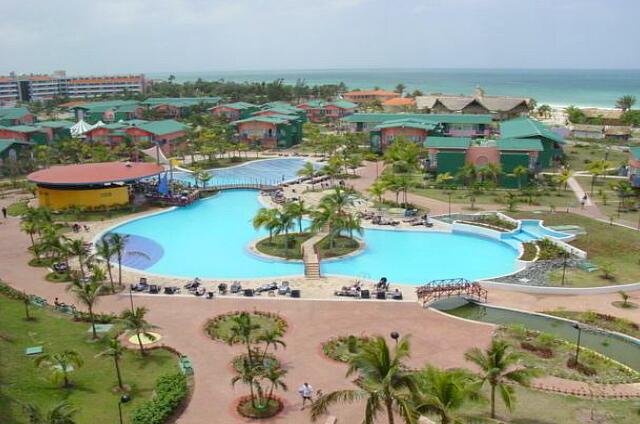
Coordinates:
552	355
92	392
605	245
536	407
18	208
529	253
341	348
220	327
608	322
579	156
276	247
558	198
608	200
219	163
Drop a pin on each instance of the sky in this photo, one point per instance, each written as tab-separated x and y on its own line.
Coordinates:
111	36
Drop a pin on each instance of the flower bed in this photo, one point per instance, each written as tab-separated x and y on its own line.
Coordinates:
219	328
170	392
258	359
340	348
247	410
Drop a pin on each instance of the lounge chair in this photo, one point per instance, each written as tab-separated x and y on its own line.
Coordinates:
222	288
235	287
284	288
365	294
267	287
171	290
295	293
154	289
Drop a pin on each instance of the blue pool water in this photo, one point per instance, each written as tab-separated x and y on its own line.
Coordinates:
268	171
210	237
531	229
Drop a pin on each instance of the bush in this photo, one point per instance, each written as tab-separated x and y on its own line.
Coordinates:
548	250
170	391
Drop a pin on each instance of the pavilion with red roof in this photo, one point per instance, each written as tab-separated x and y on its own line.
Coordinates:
90	185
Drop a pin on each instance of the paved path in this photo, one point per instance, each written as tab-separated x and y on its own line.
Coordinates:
310	257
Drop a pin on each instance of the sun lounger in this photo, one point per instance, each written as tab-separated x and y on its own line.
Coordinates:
284	288
267	287
154	289
235	287
295	293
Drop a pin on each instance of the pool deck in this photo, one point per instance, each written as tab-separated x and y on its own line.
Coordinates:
436	338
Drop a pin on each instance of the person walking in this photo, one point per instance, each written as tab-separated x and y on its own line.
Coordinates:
4	212
306	392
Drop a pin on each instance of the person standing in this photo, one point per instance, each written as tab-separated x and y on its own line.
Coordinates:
306	392
4	212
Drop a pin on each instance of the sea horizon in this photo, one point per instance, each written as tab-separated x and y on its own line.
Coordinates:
557	87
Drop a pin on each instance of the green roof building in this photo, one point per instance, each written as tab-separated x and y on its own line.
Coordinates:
526	128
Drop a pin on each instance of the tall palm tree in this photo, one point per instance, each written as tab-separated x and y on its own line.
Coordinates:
87	294
382	380
519	172
309	171
105	250
266	218
30	228
60	364
444	392
118	243
134	320
297	211
270	338
248	374
284	223
563	178
273	374
78	249
625	103
60	413
378	189
468	173
596	169
500	364
243	331
115	350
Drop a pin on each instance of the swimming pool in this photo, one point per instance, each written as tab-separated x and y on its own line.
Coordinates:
530	230
210	239
263	171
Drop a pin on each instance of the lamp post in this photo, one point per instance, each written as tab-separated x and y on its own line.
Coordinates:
579	328
123	399
395	336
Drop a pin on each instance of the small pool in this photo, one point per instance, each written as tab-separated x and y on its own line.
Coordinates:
263	171
621	349
530	230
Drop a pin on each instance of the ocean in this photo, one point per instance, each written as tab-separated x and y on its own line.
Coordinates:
584	88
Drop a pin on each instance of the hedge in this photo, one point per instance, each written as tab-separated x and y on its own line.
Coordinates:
170	391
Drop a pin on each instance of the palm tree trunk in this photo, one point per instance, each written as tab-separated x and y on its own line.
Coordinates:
300	224
119	269
110	276
115	361
142	352
389	412
93	323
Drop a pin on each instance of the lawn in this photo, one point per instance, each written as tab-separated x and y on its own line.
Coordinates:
608	200
92	392
18	208
581	155
604	244
276	247
608	322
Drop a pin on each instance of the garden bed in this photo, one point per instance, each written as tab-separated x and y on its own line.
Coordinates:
219	328
341	348
607	322
276	246
272	407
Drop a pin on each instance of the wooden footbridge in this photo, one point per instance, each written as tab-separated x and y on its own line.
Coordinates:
458	287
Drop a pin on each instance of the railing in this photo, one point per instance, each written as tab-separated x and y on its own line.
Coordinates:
457	287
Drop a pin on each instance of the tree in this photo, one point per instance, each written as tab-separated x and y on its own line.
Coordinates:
270	338
625	103
106	251
26	301
544	111
134	320
60	364
378	189
78	249
118	243
444	392
87	294
284	223
60	413
274	375
519	172
266	218
575	115
400	88
443	180
309	171
512	201
499	364
383	380
597	168
115	350
563	178
467	173
297	211
625	298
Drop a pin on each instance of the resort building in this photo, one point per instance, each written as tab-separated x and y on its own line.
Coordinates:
39	87
368	96
16	116
320	111
415	130
108	111
399	104
502	107
234	111
634	166
270	130
59	129
90	185
10	151
592	132
27	133
527	128
451	154
165	134
178	107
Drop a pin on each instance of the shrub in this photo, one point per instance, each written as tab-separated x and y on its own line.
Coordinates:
548	250
170	391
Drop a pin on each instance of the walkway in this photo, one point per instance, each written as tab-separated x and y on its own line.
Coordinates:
310	255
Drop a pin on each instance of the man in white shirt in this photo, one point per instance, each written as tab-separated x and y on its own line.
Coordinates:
306	391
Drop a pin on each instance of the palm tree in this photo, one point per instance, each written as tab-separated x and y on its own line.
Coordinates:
60	413
382	380
243	331
274	374
519	172
443	180
309	171
297	210
118	244
563	178
248	374
492	171
467	173
106	251
597	168
625	103
544	111
378	189
30	228
134	320
444	392
499	364
60	364
87	294
271	338
204	178
266	218
115	350
284	223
